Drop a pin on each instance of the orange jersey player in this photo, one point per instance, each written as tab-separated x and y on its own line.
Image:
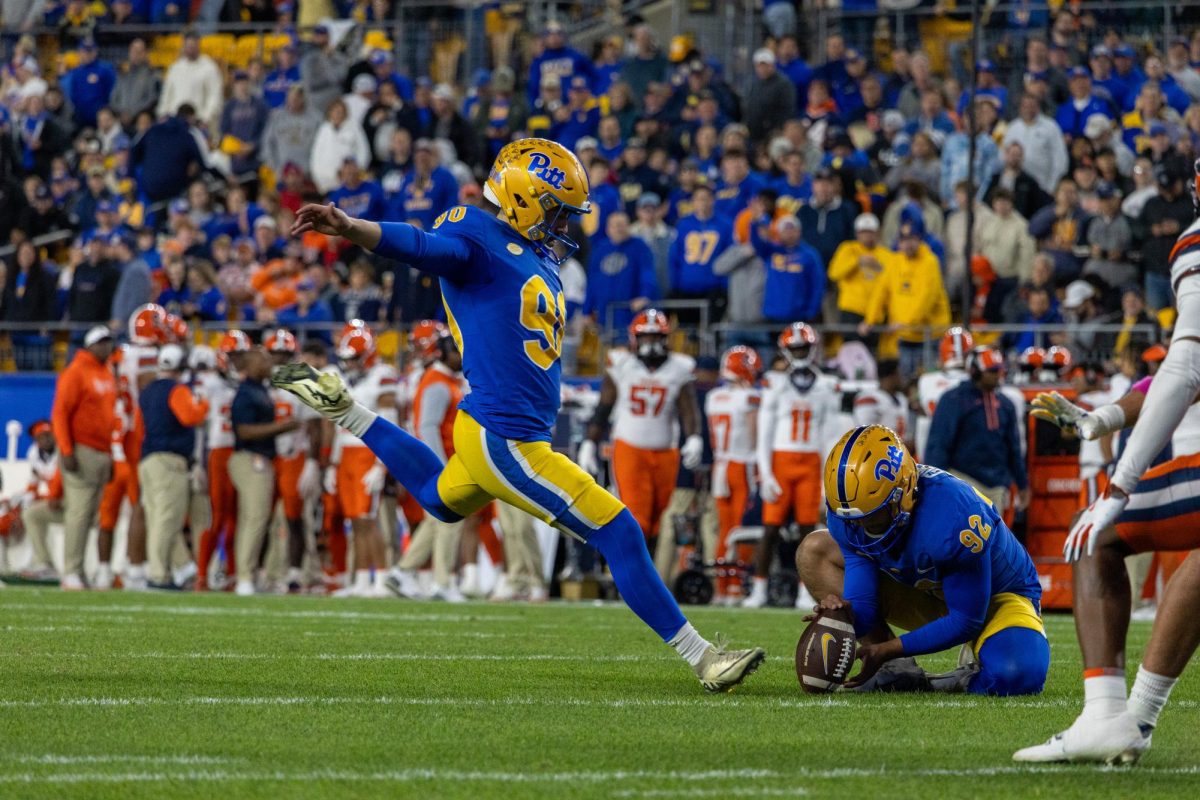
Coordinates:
360	475
952	354
297	474
648	393
216	383
732	411
798	407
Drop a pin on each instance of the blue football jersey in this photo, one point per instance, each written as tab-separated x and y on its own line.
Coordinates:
508	322
951	525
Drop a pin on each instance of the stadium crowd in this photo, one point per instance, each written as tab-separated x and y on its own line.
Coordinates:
831	190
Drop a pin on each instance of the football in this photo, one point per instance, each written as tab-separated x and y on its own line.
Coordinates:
825	652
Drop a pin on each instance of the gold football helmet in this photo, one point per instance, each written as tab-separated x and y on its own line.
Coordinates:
538	185
871	485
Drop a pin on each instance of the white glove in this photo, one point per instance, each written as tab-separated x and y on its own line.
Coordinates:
770	491
198	478
310	478
587	458
373	480
330	480
1070	418
1099	515
692	451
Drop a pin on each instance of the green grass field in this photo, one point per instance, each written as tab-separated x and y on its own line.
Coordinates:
119	695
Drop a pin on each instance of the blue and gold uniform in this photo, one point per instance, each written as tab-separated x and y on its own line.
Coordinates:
505	308
947	569
504	302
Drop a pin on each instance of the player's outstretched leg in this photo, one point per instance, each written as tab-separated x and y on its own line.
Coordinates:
410	461
622	544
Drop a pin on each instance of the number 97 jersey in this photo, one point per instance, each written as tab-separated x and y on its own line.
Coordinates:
646	411
507	317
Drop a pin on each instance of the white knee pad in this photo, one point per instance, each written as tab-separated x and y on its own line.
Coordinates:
1172	392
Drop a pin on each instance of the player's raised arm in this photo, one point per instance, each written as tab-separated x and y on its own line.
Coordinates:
444	256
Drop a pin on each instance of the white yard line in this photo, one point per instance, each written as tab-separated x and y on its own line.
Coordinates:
847	702
453	776
113	758
258	612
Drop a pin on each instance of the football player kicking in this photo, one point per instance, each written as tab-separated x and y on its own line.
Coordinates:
498	270
912	546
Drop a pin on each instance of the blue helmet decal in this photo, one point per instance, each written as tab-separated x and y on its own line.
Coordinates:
541	166
889	466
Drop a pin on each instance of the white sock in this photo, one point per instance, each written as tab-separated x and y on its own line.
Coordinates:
690	645
136	571
357	419
103	568
362	579
295	575
1104	695
379	576
760	586
1149	695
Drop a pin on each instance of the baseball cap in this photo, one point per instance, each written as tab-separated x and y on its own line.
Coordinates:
854	55
635	142
1157	129
1079	72
579	82
1123	51
824	174
107	206
764	56
170	358
120	143
179	206
320	30
586	143
424	144
985	65
866	222
787	221
1096	125
1101	51
363	83
893	120
1105	190
553	26
265	221
96	335
443	91
1078	292
649	200
88	44
378	57
306	285
42	192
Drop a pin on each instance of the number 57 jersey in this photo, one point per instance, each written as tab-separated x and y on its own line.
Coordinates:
507	316
646	413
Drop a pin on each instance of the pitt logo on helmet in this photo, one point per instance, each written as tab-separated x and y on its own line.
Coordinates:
540	165
889	465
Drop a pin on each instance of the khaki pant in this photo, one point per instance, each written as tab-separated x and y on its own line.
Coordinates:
81	500
387	526
681	503
38	517
997	494
440	539
522	553
166	494
254	478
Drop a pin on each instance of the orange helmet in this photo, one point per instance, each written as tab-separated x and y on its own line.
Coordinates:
177	329
357	344
280	340
235	341
798	343
426	339
650	322
1058	358
741	363
148	325
985	359
1032	359
956	344
352	325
